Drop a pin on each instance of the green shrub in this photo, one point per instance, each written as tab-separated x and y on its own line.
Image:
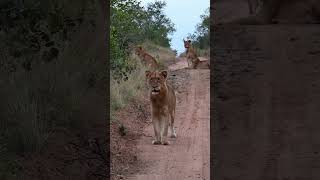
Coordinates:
133	24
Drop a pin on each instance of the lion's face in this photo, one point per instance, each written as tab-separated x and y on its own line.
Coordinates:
187	44
156	81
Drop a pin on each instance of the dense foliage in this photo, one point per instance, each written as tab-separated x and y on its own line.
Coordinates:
33	30
132	24
201	37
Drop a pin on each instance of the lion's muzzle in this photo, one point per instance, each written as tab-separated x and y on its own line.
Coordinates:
155	90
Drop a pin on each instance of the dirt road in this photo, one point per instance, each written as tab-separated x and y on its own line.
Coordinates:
187	156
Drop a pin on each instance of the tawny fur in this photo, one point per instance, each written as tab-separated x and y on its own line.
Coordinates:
192	56
163	104
147	59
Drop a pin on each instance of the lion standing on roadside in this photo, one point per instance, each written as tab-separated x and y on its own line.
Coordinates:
146	58
163	105
192	56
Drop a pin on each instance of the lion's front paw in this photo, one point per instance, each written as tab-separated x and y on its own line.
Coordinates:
156	142
165	142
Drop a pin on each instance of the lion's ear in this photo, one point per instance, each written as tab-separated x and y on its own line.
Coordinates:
148	73
164	74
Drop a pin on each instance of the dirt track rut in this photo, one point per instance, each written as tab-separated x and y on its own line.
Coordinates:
187	156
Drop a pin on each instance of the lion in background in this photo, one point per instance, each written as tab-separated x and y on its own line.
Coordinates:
163	105
192	56
146	58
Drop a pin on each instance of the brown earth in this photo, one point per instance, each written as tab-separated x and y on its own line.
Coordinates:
266	103
123	148
187	156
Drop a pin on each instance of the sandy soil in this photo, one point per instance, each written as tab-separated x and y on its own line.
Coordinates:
187	156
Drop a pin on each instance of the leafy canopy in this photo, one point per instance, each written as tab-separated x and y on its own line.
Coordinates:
131	23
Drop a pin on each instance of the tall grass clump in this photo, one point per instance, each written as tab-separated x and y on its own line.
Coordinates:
163	55
125	91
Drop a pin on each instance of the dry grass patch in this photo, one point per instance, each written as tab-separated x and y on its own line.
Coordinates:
163	55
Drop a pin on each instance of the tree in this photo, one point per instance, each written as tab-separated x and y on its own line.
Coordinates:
131	23
158	26
201	37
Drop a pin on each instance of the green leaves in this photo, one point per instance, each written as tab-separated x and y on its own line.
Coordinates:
131	23
201	37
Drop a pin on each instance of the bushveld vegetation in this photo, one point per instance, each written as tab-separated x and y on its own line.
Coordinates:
132	25
50	62
201	37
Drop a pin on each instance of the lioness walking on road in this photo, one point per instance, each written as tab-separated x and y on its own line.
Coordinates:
146	58
163	105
